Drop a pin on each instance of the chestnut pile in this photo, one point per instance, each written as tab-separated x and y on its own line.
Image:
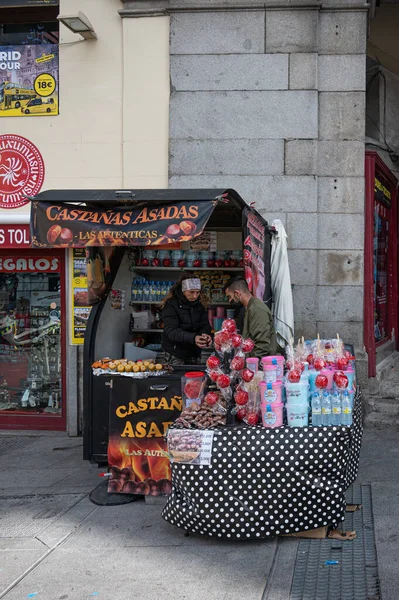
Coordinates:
200	417
123	481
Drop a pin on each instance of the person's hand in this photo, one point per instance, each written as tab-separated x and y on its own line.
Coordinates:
208	339
201	341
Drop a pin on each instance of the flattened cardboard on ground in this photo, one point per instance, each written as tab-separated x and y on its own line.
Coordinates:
319	533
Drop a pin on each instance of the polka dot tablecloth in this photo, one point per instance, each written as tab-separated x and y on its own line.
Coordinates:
264	482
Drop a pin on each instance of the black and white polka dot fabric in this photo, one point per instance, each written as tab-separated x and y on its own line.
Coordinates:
264	482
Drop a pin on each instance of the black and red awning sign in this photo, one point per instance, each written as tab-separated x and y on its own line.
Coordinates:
60	225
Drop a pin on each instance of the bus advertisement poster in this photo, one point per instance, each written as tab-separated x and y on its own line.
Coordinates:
29	80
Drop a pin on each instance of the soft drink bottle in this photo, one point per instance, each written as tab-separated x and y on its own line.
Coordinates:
336	409
316	410
326	409
346	409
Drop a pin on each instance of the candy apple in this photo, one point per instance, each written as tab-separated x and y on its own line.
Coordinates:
214	375
212	398
236	340
218	263
321	381
310	359
248	345
237	363
229	325
213	362
319	364
222	337
223	381
166	262
247	375
181	263
197	263
252	418
241	414
294	375
144	262
341	380
342	363
241	397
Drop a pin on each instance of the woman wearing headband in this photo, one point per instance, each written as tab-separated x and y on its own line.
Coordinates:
186	325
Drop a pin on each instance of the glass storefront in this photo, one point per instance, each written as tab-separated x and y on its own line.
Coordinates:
30	336
381	258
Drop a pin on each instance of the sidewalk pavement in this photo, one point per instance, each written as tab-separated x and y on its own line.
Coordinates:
56	545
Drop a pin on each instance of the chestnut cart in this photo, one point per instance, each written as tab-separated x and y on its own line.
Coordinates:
116	225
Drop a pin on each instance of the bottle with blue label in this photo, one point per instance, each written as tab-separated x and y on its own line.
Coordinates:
316	410
134	291
146	292
336	409
346	409
326	409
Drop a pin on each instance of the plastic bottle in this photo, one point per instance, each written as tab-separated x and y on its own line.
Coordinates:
158	292
326	409
146	292
346	409
336	409
316	410
134	291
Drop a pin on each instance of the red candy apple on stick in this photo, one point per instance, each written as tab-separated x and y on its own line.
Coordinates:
294	375
241	414
229	325
213	362
212	398
238	363
247	375
247	346
241	397
223	381
236	340
321	381
340	380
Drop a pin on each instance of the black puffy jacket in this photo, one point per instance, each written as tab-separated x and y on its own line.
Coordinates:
183	320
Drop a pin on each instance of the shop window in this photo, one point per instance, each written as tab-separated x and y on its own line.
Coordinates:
30	343
29	26
380	258
382	210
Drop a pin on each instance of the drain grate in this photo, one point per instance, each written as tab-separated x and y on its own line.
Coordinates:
10	443
27	516
355	577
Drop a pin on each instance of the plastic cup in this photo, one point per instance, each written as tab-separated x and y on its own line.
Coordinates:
275	360
270	373
253	364
217	323
272	414
271	393
297	413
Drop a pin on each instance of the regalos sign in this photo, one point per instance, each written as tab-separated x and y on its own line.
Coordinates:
21	171
44	264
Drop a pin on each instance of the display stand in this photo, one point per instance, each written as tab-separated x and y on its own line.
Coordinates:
265	482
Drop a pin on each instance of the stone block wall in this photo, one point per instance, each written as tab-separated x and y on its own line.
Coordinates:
270	100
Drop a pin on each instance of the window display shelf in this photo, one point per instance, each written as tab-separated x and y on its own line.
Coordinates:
182	269
147	330
138	303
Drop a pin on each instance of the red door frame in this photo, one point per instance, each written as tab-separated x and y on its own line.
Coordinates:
375	166
43	421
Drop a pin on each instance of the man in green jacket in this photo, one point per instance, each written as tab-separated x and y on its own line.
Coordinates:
258	319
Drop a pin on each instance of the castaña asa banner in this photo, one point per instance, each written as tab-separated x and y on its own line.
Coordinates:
59	225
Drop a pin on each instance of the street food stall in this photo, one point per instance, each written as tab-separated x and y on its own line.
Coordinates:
225	440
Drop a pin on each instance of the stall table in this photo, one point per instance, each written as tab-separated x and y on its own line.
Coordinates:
265	482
